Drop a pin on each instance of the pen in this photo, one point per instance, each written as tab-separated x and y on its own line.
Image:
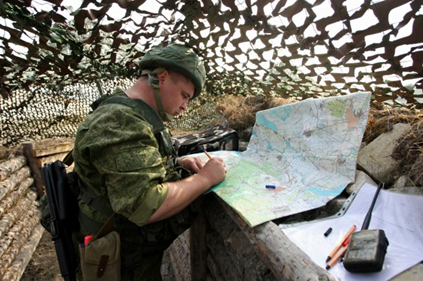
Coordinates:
336	258
208	155
352	229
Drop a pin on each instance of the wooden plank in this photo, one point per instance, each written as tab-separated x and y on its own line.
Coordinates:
222	266
51	158
198	246
216	274
166	269
179	256
28	148
238	247
245	258
281	255
51	148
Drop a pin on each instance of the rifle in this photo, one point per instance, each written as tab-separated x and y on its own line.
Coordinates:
64	217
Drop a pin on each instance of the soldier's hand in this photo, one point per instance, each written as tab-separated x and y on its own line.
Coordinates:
193	164
214	170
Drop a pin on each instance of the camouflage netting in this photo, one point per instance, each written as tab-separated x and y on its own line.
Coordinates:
58	56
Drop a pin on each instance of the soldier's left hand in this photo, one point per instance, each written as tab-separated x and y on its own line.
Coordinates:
193	164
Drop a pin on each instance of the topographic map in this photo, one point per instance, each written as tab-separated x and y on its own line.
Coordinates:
299	157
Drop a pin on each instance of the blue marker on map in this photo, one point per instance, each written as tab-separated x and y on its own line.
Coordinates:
270	186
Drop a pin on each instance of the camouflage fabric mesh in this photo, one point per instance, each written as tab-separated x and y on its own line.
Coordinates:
54	56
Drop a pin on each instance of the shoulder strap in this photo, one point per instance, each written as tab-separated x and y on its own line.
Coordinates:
139	106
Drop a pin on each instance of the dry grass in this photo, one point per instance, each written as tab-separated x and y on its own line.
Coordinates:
240	112
409	152
234	111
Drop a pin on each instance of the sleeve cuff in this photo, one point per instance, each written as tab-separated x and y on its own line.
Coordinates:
152	201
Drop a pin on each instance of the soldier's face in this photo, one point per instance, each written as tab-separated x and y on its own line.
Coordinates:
176	91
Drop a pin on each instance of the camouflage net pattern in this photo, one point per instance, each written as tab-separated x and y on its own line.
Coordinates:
57	56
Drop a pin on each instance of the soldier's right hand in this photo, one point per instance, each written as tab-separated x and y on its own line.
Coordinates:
214	170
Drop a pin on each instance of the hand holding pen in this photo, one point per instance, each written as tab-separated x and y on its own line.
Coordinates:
214	169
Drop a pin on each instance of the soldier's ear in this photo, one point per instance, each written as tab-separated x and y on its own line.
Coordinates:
162	75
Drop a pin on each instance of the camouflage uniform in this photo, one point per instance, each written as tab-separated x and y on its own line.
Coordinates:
118	156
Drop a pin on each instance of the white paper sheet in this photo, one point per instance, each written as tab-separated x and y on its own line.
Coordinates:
399	215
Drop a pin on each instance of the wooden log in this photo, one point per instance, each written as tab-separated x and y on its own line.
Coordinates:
17	268
166	269
12	198
214	269
9	225
179	256
32	196
12	219
20	208
28	149
10	166
5	152
238	247
218	219
217	251
245	258
8	238
19	240
14	180
281	255
8	220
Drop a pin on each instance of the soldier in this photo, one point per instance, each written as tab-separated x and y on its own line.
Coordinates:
125	161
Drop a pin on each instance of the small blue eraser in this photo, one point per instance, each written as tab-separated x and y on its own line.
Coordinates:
270	186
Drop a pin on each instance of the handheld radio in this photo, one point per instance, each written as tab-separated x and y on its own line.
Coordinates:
367	248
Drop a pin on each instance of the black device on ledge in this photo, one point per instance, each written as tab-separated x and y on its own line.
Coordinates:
367	248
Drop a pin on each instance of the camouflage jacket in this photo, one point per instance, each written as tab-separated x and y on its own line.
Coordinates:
121	156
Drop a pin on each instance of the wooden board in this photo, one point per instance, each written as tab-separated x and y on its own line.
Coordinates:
51	148
51	158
